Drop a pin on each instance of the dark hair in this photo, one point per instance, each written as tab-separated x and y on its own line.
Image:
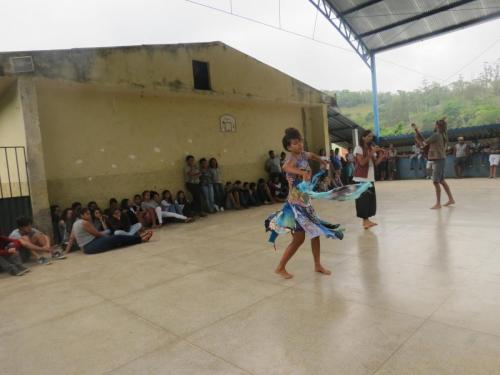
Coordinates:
364	134
53	215
65	214
228	183
245	183
82	211
189	157
261	181
252	185
290	135
137	195
146	192
91	203
153	193
75	205
178	196
112	201
271	152
202	160
124	204
212	163
170	199
237	182
92	212
24	221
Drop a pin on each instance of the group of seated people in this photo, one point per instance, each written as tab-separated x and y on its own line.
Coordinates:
128	222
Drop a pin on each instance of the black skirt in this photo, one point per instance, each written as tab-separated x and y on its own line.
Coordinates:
366	204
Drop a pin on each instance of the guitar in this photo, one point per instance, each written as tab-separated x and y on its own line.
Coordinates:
420	140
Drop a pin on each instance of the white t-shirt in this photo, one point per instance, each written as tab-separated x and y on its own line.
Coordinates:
371	169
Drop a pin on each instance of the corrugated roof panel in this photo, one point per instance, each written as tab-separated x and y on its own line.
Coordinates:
453	14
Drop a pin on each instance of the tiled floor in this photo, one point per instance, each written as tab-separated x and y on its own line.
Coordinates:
418	294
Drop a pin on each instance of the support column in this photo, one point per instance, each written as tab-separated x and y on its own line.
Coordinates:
34	148
376	125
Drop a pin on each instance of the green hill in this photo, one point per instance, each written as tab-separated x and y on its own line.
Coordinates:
464	103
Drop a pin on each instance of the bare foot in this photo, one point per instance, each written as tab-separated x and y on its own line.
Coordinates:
189	220
283	273
436	207
146	236
322	270
449	203
371	223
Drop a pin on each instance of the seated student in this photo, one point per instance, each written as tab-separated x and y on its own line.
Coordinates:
264	193
148	205
163	213
128	208
34	242
55	215
248	196
238	189
278	190
232	197
113	205
168	203
254	192
65	225
184	204
119	224
10	261
98	220
93	241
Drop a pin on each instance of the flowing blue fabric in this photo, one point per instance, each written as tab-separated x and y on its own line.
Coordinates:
302	217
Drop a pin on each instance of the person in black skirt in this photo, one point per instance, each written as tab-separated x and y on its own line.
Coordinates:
367	157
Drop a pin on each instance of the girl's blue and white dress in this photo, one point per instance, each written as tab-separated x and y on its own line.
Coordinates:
298	214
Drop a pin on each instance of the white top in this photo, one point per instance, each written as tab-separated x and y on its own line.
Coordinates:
371	169
460	150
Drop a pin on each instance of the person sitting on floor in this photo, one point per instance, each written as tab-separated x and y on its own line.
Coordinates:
113	205
35	243
148	205
168	203
163	213
65	225
278	190
119	224
264	193
92	241
10	261
184	204
254	193
232	197
98	220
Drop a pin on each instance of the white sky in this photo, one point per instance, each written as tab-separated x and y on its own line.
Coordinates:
57	24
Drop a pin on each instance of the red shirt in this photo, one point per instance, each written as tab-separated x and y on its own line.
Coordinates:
7	243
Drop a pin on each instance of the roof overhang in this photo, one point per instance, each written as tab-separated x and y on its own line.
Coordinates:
372	26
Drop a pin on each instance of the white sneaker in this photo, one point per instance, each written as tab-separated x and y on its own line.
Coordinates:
221	209
217	208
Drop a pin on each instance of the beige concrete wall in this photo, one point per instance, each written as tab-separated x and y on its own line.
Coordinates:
168	69
12	133
99	144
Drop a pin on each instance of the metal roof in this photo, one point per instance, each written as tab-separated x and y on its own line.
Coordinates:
372	26
470	133
340	128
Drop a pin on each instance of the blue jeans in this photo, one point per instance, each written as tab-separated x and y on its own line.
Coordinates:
208	194
134	229
105	243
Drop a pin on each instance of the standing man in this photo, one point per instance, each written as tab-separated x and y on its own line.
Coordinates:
461	151
192	180
272	166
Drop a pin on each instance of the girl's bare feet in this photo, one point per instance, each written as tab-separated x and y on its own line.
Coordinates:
322	270
437	206
282	272
189	220
449	203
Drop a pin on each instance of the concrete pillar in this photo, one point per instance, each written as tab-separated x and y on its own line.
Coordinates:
319	137
34	149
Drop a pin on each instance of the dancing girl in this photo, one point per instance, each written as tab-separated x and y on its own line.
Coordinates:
297	215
